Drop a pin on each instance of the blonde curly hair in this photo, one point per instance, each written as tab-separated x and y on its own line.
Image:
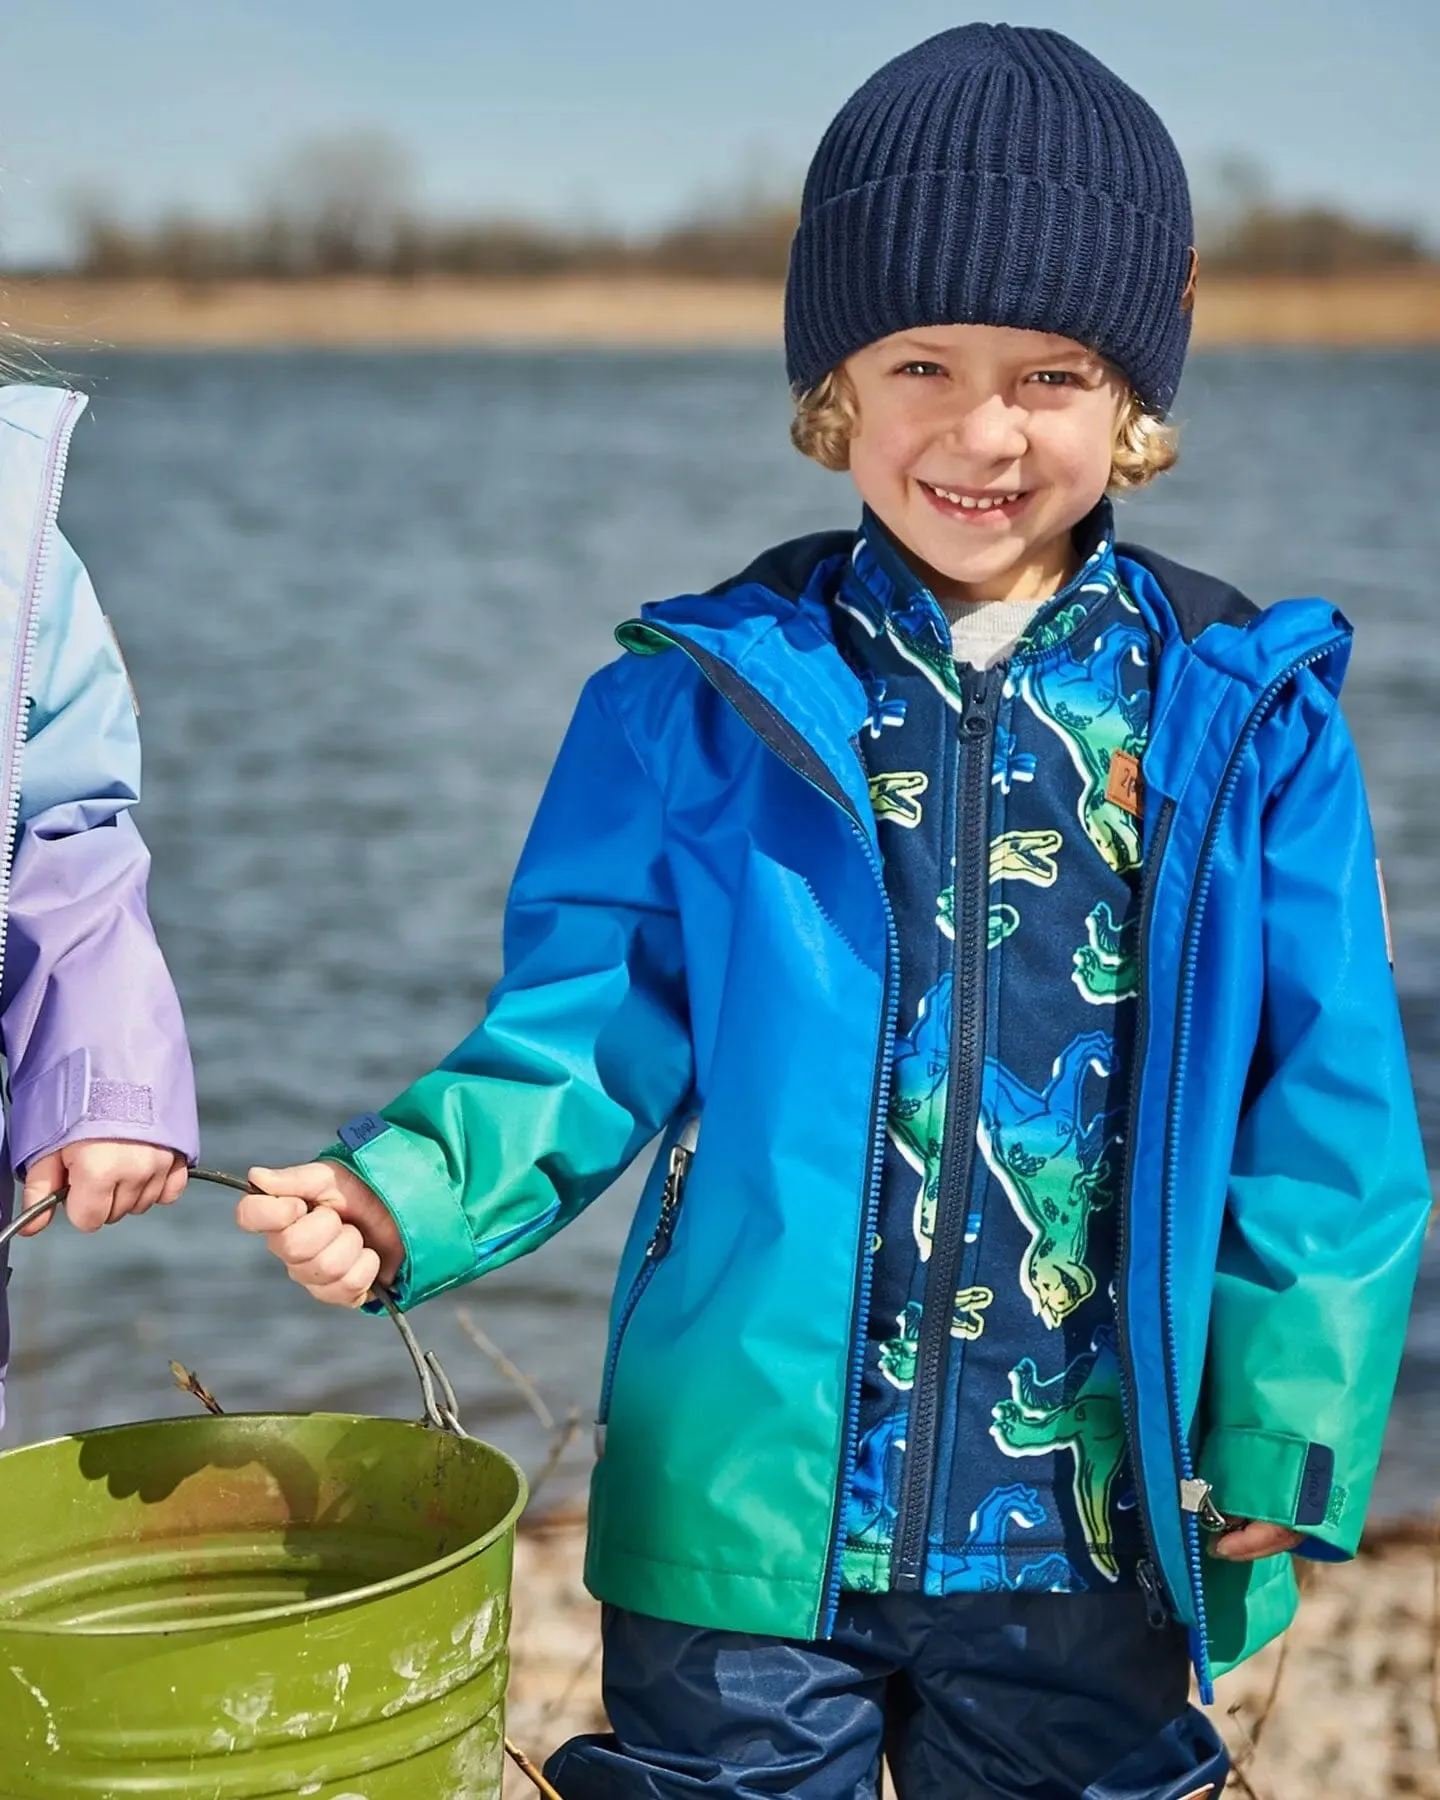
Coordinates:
826	417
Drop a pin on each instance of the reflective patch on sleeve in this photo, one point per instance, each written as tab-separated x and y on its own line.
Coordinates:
1385	912
124	666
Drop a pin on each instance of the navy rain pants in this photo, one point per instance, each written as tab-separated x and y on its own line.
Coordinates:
1012	1696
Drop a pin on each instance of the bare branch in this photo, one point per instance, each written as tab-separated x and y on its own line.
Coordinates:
477	1336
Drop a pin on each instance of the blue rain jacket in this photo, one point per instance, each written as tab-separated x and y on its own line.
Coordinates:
699	928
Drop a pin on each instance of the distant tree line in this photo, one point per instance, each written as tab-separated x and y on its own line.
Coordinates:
343	206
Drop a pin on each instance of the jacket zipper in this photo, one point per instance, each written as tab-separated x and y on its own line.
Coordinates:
1191	1519
880	1104
981	689
682	1153
1147	1572
780	737
28	627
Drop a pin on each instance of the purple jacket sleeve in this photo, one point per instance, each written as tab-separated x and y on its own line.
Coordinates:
89	1016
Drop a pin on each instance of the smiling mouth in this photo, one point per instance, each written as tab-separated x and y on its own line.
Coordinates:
958	504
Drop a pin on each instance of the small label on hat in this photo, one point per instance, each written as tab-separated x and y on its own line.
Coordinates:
1187	299
1124	787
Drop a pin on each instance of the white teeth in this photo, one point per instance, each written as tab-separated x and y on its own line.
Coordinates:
968	504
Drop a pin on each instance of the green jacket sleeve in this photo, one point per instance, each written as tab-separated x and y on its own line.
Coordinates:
584	1052
1329	1195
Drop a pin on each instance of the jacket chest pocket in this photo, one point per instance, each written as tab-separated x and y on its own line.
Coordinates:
671	1197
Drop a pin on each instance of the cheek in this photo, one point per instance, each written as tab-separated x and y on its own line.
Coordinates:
885	447
1079	451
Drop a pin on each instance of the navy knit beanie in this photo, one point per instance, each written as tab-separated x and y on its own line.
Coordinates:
995	175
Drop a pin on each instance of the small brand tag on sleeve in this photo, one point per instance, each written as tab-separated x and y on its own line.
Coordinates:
1125	788
362	1131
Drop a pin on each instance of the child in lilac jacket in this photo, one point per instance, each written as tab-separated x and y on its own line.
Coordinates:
101	1093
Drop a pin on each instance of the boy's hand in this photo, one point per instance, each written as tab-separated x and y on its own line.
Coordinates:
1252	1539
107	1179
335	1236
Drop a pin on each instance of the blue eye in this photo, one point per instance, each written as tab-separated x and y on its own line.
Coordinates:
1054	377
920	368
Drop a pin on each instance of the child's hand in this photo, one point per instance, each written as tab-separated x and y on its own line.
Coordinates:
107	1179
335	1236
1250	1541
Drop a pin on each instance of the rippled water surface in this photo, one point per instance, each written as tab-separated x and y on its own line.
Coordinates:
359	596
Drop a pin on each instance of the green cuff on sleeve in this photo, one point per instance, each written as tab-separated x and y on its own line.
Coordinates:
410	1176
1283	1480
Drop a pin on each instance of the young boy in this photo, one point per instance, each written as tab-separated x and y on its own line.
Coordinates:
989	920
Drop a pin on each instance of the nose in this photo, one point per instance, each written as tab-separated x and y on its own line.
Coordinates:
987	431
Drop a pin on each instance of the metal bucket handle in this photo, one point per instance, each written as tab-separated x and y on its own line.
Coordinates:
438	1397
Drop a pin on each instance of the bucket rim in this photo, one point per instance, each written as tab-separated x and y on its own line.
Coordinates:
296	1609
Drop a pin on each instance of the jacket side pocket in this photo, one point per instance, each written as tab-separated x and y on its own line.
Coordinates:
671	1195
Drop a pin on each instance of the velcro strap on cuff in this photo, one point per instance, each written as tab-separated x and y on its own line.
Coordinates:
1273	1476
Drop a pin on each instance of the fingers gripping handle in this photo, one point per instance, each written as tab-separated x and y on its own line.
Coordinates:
437	1396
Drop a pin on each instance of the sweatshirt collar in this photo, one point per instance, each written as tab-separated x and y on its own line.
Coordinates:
882	587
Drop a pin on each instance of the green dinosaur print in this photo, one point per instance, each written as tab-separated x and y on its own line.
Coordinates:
1107	969
1078	1410
1026	856
1053	1160
1055	631
1082	698
1014	856
917	1101
897	796
897	1354
1003	920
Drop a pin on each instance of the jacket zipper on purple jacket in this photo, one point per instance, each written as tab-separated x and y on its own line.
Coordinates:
27	626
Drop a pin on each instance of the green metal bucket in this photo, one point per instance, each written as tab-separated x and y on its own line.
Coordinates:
257	1605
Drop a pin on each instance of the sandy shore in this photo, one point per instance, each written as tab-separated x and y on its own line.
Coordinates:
435	310
1356	1713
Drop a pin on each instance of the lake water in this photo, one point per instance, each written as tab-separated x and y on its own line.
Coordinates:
359	595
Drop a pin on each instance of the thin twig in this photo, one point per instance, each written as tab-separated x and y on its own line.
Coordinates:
189	1382
1262	1718
555	1707
1243	1782
563	1440
470	1326
527	1768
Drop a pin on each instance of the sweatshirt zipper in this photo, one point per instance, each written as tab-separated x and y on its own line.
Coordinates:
780	737
981	690
27	629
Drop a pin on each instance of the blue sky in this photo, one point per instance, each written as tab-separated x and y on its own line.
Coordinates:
629	109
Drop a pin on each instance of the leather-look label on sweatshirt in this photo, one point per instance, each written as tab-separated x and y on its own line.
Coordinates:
1124	787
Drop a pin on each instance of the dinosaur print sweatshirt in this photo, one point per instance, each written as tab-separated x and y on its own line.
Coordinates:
1008	801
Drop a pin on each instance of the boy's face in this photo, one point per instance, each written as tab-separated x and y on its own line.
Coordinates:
1020	420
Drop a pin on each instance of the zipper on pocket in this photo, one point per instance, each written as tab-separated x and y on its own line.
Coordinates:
682	1154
